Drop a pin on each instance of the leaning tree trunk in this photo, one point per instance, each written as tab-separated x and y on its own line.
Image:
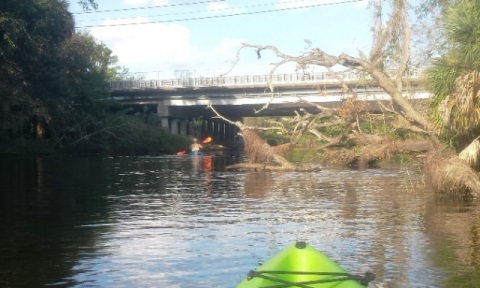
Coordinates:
449	174
260	152
471	154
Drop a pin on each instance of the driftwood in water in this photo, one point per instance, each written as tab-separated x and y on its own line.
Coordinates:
259	153
263	155
414	146
373	150
264	167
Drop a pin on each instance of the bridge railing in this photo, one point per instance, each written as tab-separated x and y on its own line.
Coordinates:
248	80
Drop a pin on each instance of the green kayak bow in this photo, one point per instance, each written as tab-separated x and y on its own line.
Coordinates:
301	265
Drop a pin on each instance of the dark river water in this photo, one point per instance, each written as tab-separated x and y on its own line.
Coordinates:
182	221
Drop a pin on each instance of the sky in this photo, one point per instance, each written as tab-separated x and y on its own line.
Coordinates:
164	39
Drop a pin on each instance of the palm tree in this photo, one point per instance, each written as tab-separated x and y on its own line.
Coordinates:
454	78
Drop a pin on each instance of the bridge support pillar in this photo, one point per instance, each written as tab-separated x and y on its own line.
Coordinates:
221	131
204	130
174	126
216	131
208	128
230	132
164	112
183	127
165	123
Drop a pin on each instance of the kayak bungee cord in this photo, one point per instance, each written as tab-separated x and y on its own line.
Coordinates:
363	280
301	265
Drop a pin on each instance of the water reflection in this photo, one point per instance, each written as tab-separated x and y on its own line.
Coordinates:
454	226
41	201
186	222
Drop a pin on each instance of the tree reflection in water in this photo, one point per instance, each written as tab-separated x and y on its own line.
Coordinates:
184	221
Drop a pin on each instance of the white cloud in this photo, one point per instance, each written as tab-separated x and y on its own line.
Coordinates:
160	2
227	48
164	47
219	59
223	8
216	7
294	4
362	4
146	2
136	2
288	4
152	45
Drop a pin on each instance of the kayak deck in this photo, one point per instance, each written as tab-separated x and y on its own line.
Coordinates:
301	265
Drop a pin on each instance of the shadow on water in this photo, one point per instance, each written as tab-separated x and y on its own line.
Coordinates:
54	211
44	203
186	222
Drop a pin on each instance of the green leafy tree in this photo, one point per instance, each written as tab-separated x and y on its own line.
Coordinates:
454	76
54	84
32	31
88	5
51	76
82	81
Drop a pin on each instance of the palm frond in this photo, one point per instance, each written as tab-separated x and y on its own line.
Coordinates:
460	110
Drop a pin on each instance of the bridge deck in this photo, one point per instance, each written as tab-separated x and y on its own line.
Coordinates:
240	96
277	80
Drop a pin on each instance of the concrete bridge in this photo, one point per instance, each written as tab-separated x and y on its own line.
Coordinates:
180	101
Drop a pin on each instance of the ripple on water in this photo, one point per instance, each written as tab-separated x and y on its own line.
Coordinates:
175	222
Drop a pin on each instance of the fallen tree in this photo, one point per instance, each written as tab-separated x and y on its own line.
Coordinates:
260	154
388	66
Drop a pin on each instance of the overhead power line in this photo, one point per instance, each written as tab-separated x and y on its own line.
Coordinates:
199	11
220	16
148	7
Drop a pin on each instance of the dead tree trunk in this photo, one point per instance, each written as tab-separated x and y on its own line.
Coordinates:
259	152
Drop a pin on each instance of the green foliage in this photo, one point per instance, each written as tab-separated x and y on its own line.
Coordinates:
461	35
400	159
88	5
462	30
197	122
441	78
51	78
86	67
300	155
333	131
54	84
274	137
122	134
32	31
73	100
384	124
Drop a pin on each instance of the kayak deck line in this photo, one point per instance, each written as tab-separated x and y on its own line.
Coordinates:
363	280
301	265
